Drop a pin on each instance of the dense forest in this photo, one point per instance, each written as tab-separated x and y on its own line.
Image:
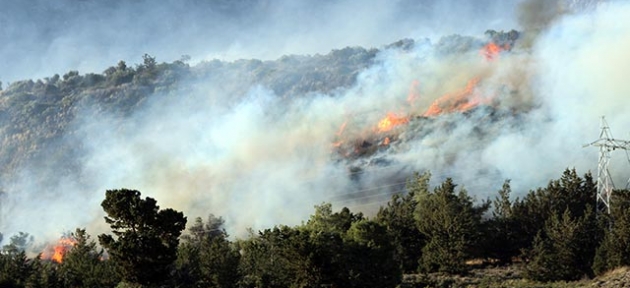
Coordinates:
552	234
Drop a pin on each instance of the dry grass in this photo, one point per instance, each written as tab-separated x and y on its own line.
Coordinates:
510	276
619	277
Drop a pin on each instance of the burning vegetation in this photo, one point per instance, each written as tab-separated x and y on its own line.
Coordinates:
386	131
390	122
57	251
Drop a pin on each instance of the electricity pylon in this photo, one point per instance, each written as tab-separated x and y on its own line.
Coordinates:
605	185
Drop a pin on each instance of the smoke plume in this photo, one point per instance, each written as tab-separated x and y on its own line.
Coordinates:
258	159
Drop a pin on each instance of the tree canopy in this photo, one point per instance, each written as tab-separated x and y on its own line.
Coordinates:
146	238
425	230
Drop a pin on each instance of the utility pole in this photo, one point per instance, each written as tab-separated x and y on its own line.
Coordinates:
605	185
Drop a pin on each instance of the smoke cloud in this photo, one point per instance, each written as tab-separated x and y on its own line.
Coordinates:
258	159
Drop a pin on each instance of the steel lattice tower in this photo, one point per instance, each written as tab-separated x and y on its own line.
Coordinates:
606	144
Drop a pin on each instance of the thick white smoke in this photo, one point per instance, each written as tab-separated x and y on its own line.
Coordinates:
261	160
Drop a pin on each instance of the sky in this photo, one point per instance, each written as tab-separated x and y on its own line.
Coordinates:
41	38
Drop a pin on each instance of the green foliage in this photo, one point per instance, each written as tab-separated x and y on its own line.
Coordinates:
614	250
277	257
43	274
121	74
569	192
398	217
565	245
452	224
562	251
206	258
324	220
371	256
502	240
147	72
437	229
148	61
83	265
17	270
502	204
340	249
146	237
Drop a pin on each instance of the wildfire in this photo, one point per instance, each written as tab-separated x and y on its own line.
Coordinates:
58	251
467	98
492	50
460	101
390	122
342	128
414	93
339	132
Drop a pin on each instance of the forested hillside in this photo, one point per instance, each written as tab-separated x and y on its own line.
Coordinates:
37	115
157	125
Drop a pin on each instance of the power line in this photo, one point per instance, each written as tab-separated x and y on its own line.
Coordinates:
605	185
378	198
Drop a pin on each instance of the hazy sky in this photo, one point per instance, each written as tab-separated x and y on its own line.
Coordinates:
41	37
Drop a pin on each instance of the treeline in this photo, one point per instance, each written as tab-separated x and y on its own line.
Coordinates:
553	231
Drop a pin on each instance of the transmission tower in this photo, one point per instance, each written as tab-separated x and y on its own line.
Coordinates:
605	185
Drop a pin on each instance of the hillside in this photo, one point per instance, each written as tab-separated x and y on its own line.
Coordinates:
37	116
347	127
432	161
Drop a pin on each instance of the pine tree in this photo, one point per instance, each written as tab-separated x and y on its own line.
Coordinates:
614	250
83	265
15	267
502	241
542	266
570	192
563	251
371	256
398	217
452	225
206	258
146	240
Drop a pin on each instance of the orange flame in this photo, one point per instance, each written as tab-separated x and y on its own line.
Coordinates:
58	251
461	101
342	128
434	109
492	50
386	141
414	92
339	133
390	122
